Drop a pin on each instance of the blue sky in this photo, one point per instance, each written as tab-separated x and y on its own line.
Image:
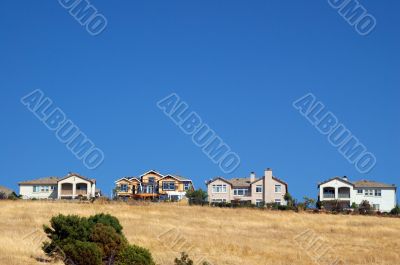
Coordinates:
238	64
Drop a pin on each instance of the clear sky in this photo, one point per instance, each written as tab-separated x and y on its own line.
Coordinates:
238	64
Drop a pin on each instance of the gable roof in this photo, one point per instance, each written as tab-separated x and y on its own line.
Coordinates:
180	178
41	181
361	183
372	184
336	178
218	178
70	174
124	178
154	172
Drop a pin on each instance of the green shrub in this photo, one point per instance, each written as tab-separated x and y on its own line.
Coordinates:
395	210
134	255
107	240
83	253
106	219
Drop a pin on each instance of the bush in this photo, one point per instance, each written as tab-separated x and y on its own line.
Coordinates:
106	219
83	253
184	260
395	210
3	196
107	240
365	208
196	197
134	255
91	241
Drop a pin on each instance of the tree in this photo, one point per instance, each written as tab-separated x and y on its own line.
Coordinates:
308	202
197	197
289	199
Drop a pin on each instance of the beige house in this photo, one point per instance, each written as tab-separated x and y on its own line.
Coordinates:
72	186
266	189
153	185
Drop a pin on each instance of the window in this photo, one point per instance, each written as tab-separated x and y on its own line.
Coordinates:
278	201
52	188
35	188
218	200
378	193
259	188
44	188
221	188
259	203
151	180
123	188
186	186
376	207
241	192
278	188
369	192
359	191
168	185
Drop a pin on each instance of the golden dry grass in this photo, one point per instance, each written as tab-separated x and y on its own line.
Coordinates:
221	236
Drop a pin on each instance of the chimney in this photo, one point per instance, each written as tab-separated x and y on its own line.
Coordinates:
345	178
268	174
252	177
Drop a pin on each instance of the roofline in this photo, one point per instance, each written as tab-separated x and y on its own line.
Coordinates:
152	171
77	175
124	178
175	178
220	178
337	178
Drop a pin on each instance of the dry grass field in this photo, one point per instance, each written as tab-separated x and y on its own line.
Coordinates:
220	236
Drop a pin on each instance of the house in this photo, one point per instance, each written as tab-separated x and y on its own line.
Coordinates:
7	192
72	186
266	189
153	185
380	195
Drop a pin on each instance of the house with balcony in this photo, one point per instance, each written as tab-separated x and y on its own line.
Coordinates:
153	185
258	191
72	186
340	189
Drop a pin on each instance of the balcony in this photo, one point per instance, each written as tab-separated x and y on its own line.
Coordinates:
344	195
329	196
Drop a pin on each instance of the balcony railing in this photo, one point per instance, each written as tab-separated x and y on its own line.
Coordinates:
81	192
344	195
329	196
66	192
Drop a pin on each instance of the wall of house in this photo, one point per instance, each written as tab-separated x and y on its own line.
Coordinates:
336	184
213	196
131	186
27	192
91	188
386	202
145	178
178	185
257	195
269	189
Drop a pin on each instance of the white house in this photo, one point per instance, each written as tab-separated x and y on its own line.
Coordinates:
380	195
71	186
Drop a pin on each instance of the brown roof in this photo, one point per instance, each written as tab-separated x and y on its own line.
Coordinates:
372	184
41	181
5	190
80	176
240	182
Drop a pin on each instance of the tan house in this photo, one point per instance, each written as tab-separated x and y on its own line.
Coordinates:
266	189
153	184
72	186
